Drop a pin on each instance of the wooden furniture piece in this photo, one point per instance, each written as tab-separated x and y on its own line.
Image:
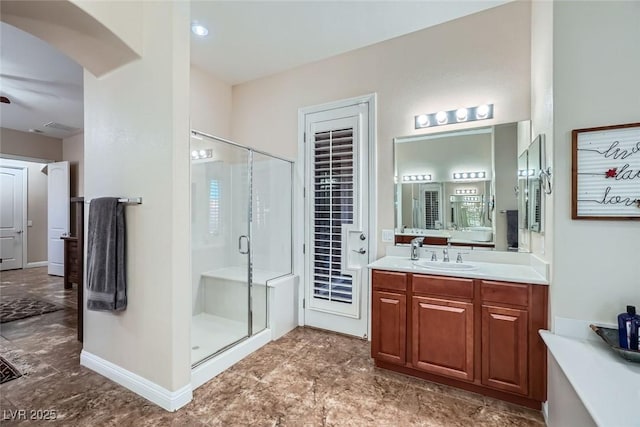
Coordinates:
479	335
74	256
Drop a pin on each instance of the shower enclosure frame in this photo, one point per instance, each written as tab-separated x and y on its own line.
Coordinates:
250	160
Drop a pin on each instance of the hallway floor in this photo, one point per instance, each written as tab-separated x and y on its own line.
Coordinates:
306	378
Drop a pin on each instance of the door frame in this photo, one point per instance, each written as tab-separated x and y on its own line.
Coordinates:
12	164
299	220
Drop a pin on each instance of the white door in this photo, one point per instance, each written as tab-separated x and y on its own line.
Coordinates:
11	218
58	215
337	219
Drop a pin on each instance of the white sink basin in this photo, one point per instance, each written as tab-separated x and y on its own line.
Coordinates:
439	265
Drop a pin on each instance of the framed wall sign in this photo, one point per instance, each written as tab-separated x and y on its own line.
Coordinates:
606	173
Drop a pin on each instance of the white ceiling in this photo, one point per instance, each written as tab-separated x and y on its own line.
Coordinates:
43	84
252	39
247	40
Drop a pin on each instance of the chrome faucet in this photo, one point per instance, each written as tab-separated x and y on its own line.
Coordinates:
416	244
459	258
445	253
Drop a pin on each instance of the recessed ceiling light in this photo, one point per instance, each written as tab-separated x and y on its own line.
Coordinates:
199	30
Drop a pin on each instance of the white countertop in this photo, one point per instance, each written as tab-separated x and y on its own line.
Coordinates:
608	385
519	272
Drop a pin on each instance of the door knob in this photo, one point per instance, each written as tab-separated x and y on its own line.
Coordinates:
360	251
19	232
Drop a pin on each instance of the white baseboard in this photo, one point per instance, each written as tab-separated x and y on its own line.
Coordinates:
169	400
545	412
36	264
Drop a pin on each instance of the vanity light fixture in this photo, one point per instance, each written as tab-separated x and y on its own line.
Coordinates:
467	191
470	114
416	178
469	175
201	154
525	172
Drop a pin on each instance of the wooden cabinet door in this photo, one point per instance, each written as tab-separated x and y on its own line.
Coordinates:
505	349
442	337
389	327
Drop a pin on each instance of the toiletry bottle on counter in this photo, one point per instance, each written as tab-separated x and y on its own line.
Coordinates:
635	327
626	323
634	340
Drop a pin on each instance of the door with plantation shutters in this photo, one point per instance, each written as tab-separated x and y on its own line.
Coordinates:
337	225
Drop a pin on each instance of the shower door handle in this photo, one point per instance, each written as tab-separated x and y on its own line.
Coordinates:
240	245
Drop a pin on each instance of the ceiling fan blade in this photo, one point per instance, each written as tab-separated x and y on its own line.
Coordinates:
5	100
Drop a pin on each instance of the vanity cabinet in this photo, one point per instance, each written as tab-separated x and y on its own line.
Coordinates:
505	336
389	317
479	335
442	326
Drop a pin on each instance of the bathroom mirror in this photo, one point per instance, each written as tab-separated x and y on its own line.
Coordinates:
534	183
458	187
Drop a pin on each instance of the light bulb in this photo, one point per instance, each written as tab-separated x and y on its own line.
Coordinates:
441	117
461	114
456	176
423	120
199	30
465	175
472	175
482	111
481	174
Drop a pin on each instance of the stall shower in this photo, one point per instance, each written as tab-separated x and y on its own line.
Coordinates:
241	239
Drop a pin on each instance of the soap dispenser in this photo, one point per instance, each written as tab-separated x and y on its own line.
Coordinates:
628	338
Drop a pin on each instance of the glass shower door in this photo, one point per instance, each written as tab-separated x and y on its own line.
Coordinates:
220	232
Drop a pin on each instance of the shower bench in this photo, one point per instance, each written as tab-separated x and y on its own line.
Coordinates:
281	294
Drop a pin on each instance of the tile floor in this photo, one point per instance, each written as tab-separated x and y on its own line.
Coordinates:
306	378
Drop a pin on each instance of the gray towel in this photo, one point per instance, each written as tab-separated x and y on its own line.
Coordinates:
512	229
106	278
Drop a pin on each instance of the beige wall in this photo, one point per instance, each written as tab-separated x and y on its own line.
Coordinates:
29	145
71	27
36	209
136	144
73	152
210	104
595	83
470	61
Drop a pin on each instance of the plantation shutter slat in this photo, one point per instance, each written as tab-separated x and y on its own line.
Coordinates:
431	208
333	189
